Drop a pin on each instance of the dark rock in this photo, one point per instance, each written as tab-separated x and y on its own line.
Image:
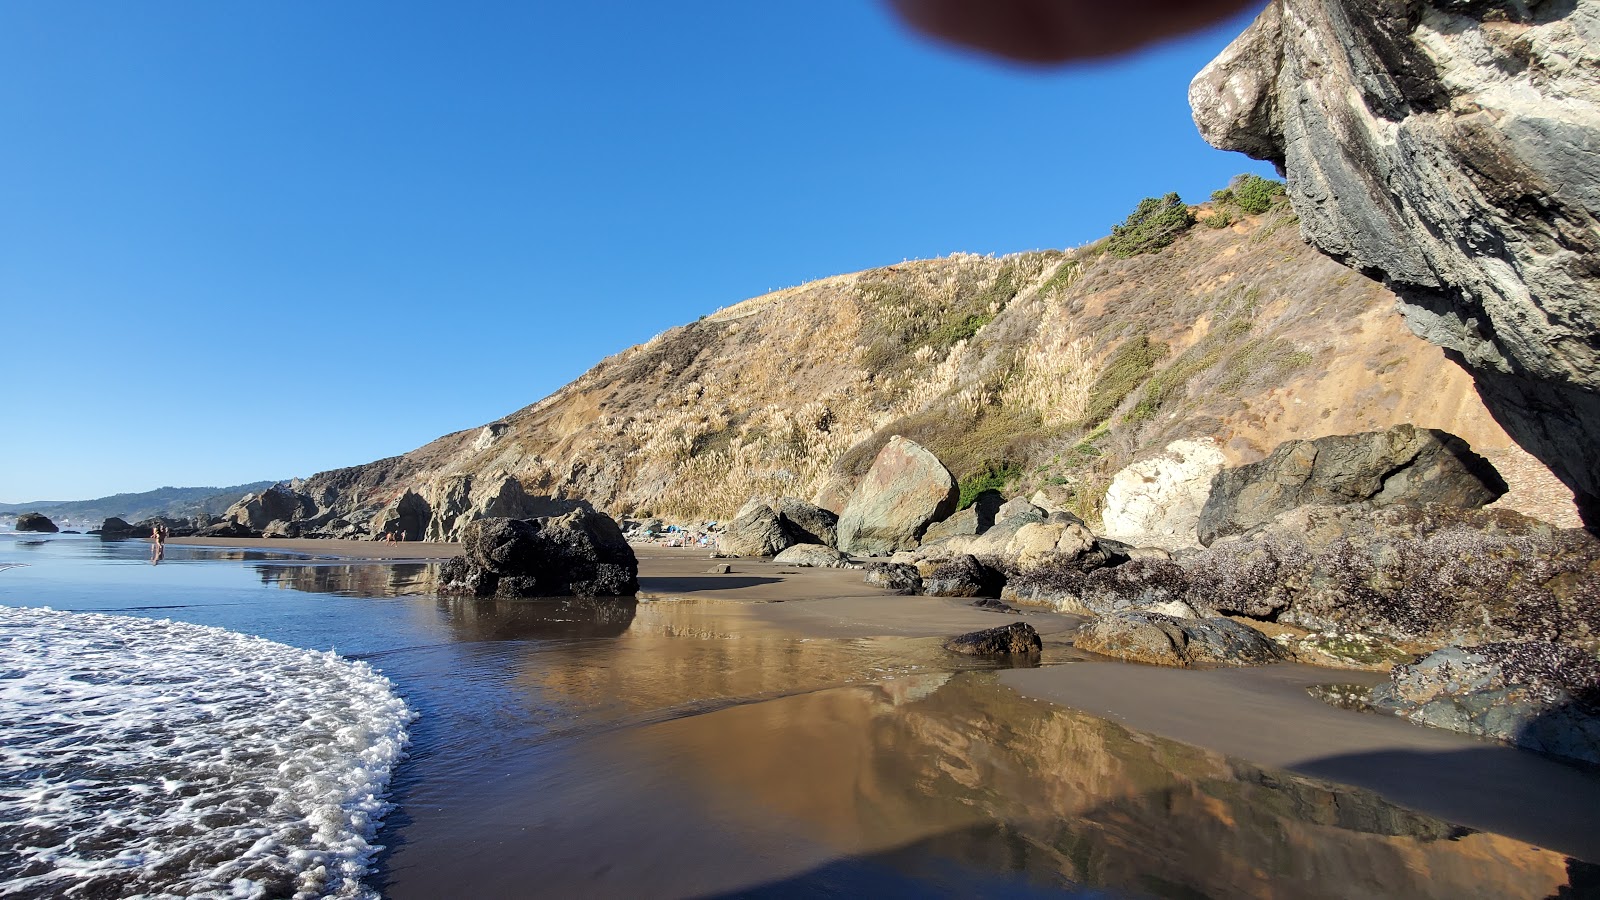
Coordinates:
905	491
963	576
36	522
406	518
115	529
1401	465
1162	640
581	553
1016	639
1071	586
993	605
901	578
1540	696
228	529
974	520
174	527
1432	145
808	523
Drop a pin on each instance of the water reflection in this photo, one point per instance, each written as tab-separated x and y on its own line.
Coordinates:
917	773
363	579
547	618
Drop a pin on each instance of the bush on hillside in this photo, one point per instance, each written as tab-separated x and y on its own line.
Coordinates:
1125	371
993	477
1251	194
1154	223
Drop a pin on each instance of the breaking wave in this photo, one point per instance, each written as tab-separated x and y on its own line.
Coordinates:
144	757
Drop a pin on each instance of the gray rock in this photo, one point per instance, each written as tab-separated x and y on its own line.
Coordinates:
36	522
905	491
1401	465
275	504
901	578
1162	640
1540	696
1016	639
1448	149
963	576
581	553
757	530
406	518
812	556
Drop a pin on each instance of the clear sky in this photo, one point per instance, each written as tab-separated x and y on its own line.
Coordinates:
253	241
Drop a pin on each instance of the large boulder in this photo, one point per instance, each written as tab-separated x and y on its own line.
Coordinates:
902	578
36	522
1156	502
456	500
1448	149
808	523
116	529
1541	696
1016	639
756	530
1401	465
963	576
582	552
1163	640
905	491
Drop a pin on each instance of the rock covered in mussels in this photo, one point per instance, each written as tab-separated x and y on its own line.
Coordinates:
902	578
1016	639
1448	149
1537	695
581	553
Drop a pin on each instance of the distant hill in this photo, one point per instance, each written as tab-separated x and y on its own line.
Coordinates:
175	502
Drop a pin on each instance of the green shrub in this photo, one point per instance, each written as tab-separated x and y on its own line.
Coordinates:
1125	371
1255	195
1153	224
1062	277
1219	219
993	477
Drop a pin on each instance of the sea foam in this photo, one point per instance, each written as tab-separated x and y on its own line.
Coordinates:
151	758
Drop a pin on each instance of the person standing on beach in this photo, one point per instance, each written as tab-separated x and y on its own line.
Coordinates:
158	545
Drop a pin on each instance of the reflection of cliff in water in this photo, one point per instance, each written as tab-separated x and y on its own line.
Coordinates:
922	771
363	579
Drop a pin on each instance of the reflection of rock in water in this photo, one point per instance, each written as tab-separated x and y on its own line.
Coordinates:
970	771
367	579
538	619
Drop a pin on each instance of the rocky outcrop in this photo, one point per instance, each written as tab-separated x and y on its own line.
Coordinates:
1163	640
406	518
905	491
582	553
963	576
816	556
974	520
1448	149
1541	696
1401	465
807	523
1156	502
1016	639
275	504
36	522
1428	575
902	578
116	529
457	500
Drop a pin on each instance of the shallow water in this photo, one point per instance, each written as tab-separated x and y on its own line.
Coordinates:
686	749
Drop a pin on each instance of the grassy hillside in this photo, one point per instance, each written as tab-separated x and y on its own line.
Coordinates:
1042	370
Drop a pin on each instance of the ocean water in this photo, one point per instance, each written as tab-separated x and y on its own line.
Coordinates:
242	723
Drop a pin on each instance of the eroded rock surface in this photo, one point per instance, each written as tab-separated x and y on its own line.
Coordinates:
1400	465
1156	502
1016	639
581	553
1449	149
1163	640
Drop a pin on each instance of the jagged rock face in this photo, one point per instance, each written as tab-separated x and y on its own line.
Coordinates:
456	500
905	491
406	518
275	504
36	523
1156	502
1448	149
1401	465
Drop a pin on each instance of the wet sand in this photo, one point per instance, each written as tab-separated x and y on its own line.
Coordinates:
715	794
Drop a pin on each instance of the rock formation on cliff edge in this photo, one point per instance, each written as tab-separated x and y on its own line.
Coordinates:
1449	149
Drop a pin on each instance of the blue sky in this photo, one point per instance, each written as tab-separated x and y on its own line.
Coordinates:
248	241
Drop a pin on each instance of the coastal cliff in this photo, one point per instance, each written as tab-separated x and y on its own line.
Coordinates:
1049	370
1447	148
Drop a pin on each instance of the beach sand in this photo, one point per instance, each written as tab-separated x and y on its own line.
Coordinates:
661	786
